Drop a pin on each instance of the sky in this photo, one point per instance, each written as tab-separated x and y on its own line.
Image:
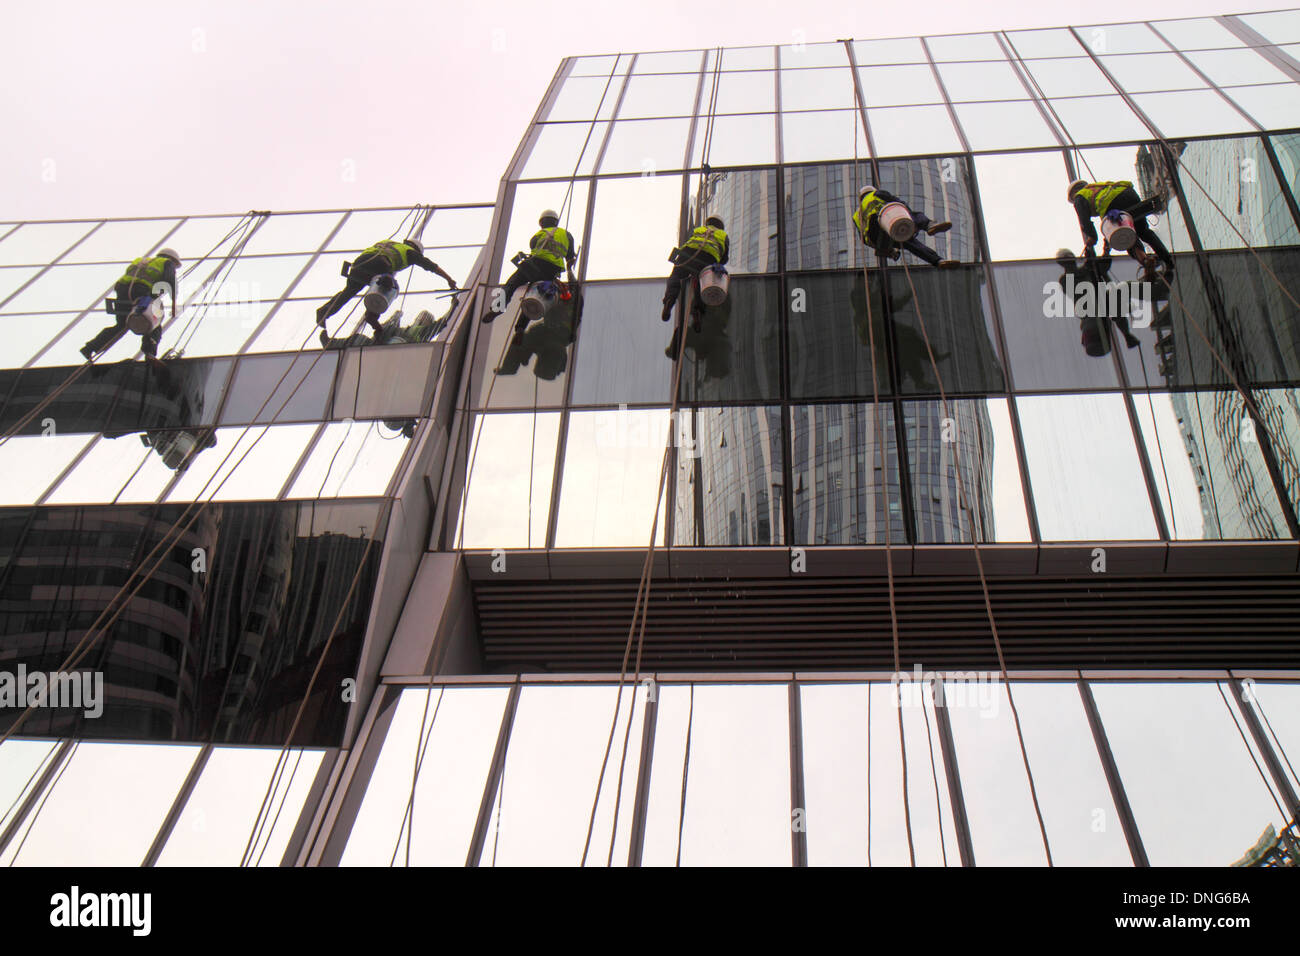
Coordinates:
197	107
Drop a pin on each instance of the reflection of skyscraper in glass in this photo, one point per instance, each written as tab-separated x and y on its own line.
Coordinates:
731	493
746	202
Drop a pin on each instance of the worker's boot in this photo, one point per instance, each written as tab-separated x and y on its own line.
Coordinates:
947	264
88	353
671	350
937	227
667	314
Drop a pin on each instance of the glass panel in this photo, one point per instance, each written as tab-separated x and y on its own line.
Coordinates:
120	241
819	89
1282	26
621	346
24	335
981	81
549	780
1072	76
1083	828
663	95
455	752
111	466
280	388
294	232
797	55
104	808
970	46
392	382
829	339
39	243
1279	705
67	288
1148	72
835	466
748	92
1044	43
737	804
258	279
1236	67
11	279
600	65
505	509
1003	125
1038	182
1264	325
899	85
1287	149
819	203
677	61
1237	176
28	463
617	251
253	465
1191	113
1175	739
1199	34
903	50
736	354
199	236
21	762
913	129
366	227
1206	458
1079	449
944	312
1098	119
530	199
460	226
745	199
730	477
558	146
525	370
1148	169
1044	313
737	141
1272	106
853	777
201	329
979	431
1122	38
350	460
645	146
612	462
223	810
810	137
746	58
586	98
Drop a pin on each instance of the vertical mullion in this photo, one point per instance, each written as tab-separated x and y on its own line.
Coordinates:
178	807
61	753
1117	793
1246	704
636	839
798	801
493	782
960	822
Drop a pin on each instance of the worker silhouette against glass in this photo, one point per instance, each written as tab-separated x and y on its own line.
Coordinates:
1088	280
551	253
135	293
391	332
871	201
706	246
1098	199
384	258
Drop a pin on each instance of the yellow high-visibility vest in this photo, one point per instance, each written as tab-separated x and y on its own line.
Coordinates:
1101	195
552	244
709	238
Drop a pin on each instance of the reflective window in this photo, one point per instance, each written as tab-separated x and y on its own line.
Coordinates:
393	381
25	335
1044	43
1236	67
436	824
104	808
1202	33
511	460
981	81
1084	469
730	477
221	816
1191	113
970	46
742	92
1209	471
351	460
736	354
248	464
899	85
1175	739
561	149
280	388
212	236
258	278
66	288
830	342
612	462
294	232
123	468
1122	38
570	201
736	141
644	146
586	97
798	55
746	58
1038	181
203	328
601	65
939	322
1004	125
1230	187
21	764
619	251
669	94
1149	72
1273	106
835	458
1282	26
1068	76
40	243
527	370
1097	119
621	356
736	809
29	463
968	443
817	89
11	280
903	50
676	61
120	241
913	129
1278	705
458	226
834	134
746	201
819	205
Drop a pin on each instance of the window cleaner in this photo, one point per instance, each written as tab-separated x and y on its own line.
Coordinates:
1119	196
887	224
392	332
135	306
178	448
552	252
707	247
380	261
1088	282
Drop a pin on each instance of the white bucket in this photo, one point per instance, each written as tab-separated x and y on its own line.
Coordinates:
713	285
1119	231
381	294
144	322
175	449
538	299
897	221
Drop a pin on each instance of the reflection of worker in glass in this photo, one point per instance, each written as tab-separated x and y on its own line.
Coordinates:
142	283
871	202
391	332
913	356
711	343
1099	199
548	339
1089	285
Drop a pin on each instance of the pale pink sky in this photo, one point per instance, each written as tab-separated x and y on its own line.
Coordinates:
132	108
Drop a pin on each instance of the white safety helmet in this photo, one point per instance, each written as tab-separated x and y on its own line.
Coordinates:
416	245
1074	188
864	190
548	214
715	220
1064	254
167	252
